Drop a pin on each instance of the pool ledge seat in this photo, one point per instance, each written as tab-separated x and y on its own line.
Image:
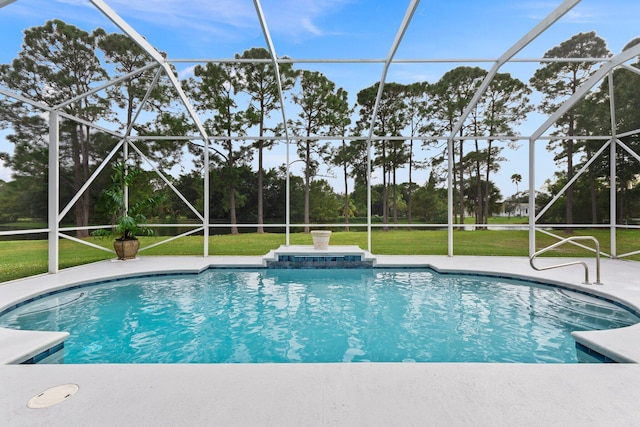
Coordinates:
18	347
621	345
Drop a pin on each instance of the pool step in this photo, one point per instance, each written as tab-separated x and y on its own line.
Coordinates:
28	347
308	257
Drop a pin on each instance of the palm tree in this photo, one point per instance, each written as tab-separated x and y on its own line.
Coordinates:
516	178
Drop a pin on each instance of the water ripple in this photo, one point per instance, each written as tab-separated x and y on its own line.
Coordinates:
248	316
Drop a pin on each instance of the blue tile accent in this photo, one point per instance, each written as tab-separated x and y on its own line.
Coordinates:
319	261
41	356
593	354
348	261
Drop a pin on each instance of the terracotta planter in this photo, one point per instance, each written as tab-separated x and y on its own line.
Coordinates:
126	249
321	239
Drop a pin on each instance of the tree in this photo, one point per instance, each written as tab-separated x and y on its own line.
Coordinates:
214	93
125	57
13	204
505	104
431	202
29	160
510	205
627	102
58	63
493	197
318	102
516	178
559	80
390	121
418	100
452	93
258	80
348	155
324	202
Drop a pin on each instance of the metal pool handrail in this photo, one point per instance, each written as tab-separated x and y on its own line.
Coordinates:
586	268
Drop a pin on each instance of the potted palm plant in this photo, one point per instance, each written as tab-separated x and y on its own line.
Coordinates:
127	221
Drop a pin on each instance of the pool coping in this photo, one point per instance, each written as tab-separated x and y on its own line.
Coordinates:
335	394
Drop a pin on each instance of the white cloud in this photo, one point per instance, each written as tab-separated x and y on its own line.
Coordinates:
308	25
201	14
537	10
187	72
202	21
300	18
580	16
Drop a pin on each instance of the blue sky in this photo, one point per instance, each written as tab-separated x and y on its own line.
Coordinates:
344	29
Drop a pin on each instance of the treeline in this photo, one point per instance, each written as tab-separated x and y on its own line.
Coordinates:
60	65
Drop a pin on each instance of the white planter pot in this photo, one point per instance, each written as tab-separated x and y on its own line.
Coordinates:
321	239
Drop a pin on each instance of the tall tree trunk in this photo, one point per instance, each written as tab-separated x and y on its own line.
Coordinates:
232	185
395	198
479	198
620	200
486	184
232	209
461	179
260	186
261	171
385	191
569	192
594	201
307	186
592	190
410	189
346	190
454	184
81	173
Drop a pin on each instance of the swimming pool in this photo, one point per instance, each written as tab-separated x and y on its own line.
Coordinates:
341	315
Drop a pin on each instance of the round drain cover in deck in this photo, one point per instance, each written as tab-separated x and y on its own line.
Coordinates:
53	396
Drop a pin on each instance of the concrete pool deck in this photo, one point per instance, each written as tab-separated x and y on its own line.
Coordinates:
452	394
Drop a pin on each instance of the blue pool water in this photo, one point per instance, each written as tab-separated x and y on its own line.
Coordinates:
350	315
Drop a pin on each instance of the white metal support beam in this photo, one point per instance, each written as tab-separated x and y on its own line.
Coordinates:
558	13
4	3
128	30
450	217
92	125
574	179
606	68
147	47
628	150
54	191
105	86
613	199
90	180
125	147
167	182
532	197
411	9
628	133
631	68
601	73
26	100
147	95
276	66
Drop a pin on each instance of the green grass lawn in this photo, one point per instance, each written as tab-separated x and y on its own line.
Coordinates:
28	257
